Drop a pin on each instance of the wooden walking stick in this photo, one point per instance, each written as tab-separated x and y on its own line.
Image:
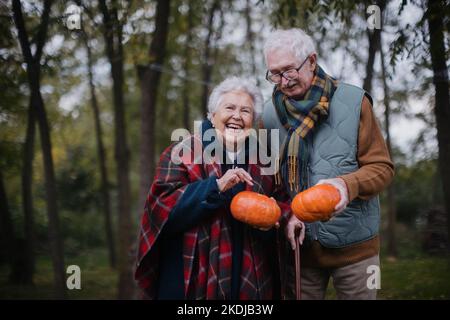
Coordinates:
297	266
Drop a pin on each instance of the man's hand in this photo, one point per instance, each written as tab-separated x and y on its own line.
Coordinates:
291	229
339	184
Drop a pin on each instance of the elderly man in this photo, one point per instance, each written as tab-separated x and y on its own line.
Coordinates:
329	134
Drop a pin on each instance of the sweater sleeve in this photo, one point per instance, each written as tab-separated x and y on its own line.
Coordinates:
376	168
200	199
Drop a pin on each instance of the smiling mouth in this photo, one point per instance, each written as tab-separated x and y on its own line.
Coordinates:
234	128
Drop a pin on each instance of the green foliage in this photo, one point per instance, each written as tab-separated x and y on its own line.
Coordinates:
417	189
413	40
13	102
82	231
76	181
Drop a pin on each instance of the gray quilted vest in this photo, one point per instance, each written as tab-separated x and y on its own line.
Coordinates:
333	152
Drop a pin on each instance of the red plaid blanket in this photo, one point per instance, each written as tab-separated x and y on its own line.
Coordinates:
206	247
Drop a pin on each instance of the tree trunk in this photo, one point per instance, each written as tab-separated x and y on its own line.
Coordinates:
6	227
251	40
374	37
187	60
27	176
375	45
112	31
106	202
126	283
56	241
217	37
392	208
374	41
36	102
435	19
149	82
207	67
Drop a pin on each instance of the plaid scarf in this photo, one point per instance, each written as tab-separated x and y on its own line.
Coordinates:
299	118
207	250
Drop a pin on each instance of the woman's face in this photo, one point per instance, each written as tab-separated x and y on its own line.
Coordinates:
233	117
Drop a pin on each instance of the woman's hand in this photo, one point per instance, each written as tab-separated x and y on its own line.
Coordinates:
232	177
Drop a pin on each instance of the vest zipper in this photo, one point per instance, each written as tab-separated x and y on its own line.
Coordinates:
308	181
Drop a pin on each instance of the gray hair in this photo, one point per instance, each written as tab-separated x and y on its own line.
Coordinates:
296	40
236	84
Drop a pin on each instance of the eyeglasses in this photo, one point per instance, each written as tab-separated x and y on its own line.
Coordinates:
290	74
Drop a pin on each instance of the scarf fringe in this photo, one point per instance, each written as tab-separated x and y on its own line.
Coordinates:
293	176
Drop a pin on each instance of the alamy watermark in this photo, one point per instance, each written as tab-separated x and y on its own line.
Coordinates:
74	279
374	280
73	17
374	18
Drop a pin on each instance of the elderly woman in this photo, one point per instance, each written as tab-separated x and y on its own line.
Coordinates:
190	245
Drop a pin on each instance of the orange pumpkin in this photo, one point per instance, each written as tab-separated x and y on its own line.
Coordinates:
255	209
316	203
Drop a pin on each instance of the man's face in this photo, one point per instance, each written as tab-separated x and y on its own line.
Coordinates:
279	61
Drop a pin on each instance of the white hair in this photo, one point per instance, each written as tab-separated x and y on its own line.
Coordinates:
236	84
295	40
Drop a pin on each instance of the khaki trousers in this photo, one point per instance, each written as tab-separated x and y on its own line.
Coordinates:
350	282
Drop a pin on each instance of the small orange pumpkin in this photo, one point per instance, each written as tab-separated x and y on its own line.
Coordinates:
255	209
316	203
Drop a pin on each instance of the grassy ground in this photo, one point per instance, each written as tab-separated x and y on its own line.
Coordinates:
411	276
417	278
98	280
414	274
424	277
